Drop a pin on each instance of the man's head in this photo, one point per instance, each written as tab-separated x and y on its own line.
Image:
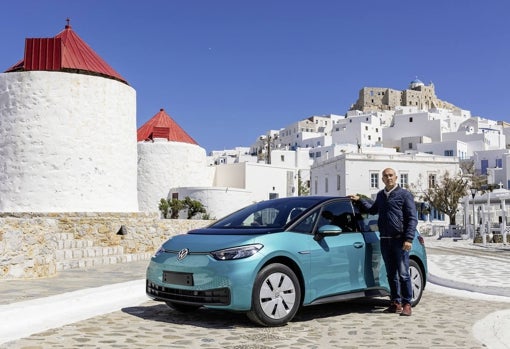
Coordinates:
389	178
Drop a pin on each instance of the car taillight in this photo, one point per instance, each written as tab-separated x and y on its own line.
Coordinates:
421	240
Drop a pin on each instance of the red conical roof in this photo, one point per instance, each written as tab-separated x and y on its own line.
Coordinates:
65	52
162	125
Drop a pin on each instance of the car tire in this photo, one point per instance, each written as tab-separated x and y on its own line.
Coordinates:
276	296
183	308
417	281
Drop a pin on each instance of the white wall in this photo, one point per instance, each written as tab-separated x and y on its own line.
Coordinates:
260	179
410	125
355	171
460	149
218	201
163	165
67	143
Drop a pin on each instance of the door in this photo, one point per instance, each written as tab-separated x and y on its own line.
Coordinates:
338	262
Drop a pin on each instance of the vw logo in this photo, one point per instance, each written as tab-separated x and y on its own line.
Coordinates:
182	254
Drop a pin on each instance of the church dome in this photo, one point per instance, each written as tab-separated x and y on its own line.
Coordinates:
416	83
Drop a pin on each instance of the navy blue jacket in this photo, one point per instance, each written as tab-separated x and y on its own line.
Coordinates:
397	213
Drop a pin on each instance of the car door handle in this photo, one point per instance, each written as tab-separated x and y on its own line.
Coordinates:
358	244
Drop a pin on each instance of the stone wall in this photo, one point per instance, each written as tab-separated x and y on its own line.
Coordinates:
36	245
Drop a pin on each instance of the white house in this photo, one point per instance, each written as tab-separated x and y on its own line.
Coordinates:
360	173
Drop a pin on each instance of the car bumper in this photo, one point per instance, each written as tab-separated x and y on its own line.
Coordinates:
211	283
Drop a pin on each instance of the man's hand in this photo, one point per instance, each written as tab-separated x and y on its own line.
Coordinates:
407	246
353	197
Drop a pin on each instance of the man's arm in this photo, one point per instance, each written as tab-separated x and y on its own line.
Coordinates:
410	218
366	206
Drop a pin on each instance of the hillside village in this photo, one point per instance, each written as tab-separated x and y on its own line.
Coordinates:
412	131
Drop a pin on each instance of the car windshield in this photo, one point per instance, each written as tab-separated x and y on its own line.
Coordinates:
274	213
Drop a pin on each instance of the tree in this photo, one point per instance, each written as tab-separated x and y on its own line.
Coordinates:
478	180
444	195
163	207
176	206
303	189
194	207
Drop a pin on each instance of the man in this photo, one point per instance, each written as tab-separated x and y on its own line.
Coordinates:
397	226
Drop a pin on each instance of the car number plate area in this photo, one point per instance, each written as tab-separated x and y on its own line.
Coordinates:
172	277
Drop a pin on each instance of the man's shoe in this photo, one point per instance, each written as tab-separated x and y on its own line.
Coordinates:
406	310
394	308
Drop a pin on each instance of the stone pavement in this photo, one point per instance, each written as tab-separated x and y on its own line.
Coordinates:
471	273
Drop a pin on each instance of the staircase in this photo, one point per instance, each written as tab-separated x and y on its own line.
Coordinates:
82	254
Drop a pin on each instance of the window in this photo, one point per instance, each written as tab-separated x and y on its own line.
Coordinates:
316	186
339	214
374	180
448	153
485	165
499	163
338	182
326	184
432	180
411	119
410	145
282	158
404	180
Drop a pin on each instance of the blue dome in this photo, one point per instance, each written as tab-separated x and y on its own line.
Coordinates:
415	83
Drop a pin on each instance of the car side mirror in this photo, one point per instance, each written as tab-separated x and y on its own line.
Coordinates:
327	230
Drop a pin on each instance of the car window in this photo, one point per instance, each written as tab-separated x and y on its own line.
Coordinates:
338	213
274	213
262	217
370	222
306	224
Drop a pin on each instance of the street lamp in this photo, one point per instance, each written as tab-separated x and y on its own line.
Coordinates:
473	194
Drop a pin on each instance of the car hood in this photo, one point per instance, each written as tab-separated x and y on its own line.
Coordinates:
204	242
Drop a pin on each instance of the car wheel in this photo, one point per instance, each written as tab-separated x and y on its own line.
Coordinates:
417	281
276	296
183	308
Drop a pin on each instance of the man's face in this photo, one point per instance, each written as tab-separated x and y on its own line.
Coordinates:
389	178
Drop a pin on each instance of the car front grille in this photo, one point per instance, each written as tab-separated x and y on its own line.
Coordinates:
218	296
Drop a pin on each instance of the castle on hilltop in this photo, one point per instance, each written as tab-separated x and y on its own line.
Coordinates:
373	99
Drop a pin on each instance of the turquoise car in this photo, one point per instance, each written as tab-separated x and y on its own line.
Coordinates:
273	257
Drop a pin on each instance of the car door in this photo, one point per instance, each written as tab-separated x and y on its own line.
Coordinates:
338	261
375	273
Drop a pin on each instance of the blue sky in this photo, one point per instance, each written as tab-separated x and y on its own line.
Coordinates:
229	70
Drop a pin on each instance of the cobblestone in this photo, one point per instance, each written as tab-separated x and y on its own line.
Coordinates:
441	320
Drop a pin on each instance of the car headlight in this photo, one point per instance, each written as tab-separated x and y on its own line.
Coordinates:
236	252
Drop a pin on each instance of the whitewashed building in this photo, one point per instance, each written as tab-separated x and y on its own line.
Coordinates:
168	158
360	173
67	131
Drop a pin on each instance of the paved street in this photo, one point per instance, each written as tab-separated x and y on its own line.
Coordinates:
438	322
441	320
